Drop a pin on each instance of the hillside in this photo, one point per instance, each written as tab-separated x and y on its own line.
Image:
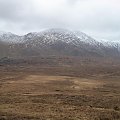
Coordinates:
56	42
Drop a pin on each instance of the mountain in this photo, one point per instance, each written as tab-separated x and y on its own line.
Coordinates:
55	42
10	37
111	44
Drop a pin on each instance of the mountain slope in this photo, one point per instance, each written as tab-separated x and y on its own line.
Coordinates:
10	37
4	49
56	42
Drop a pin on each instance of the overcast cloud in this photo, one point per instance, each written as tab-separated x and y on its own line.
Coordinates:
98	18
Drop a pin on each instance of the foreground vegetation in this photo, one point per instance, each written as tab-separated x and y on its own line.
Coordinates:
80	91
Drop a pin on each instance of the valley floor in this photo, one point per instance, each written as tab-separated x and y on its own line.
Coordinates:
47	95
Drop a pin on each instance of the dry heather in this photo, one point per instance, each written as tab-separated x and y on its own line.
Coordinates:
36	92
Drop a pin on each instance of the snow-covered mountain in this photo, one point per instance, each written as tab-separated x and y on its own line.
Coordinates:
111	44
50	35
58	42
10	37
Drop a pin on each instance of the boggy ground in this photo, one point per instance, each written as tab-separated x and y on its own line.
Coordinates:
59	93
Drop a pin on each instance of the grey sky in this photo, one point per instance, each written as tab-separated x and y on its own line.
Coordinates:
98	18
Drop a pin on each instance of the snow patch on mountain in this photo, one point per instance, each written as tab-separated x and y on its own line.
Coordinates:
51	36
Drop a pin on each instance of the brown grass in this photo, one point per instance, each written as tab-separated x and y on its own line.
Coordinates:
59	92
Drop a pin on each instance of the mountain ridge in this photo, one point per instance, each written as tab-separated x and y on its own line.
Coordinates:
55	42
